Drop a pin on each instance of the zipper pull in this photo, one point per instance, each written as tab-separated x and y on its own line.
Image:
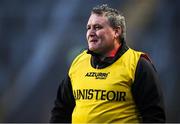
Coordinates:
97	66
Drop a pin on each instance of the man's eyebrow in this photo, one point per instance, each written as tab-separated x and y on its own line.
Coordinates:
96	24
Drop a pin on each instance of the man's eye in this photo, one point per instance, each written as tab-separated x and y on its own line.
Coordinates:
88	28
97	27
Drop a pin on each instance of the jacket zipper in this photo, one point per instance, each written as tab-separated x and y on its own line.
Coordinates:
97	66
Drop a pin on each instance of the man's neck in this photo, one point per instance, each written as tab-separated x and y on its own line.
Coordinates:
111	53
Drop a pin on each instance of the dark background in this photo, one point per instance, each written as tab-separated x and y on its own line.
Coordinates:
39	39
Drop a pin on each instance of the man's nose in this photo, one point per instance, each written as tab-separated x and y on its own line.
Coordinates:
92	32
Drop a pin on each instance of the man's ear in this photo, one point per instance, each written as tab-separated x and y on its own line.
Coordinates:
118	31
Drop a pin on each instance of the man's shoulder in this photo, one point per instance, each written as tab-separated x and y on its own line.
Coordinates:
81	56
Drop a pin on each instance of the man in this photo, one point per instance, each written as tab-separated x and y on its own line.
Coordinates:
109	82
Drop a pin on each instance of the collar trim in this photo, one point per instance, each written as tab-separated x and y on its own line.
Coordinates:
98	64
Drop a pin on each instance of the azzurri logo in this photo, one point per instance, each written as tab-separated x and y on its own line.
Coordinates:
97	75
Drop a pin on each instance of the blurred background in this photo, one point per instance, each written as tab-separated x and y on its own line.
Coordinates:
40	38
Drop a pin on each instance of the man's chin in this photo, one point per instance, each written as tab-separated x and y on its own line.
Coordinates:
93	50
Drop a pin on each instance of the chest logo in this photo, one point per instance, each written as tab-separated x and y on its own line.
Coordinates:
97	75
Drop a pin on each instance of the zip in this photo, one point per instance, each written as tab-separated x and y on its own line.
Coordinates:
97	66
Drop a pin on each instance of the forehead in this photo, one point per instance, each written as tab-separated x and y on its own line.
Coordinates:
97	19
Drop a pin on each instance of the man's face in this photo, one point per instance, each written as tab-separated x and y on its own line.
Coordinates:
100	35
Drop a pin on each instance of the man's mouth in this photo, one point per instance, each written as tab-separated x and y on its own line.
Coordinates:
93	41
